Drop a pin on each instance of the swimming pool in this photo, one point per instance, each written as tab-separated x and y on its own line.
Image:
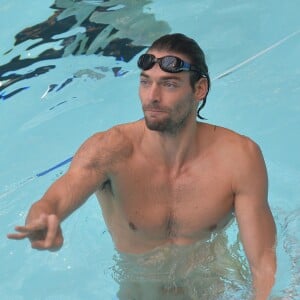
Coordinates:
58	87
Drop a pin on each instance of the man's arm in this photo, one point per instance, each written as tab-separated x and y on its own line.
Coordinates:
255	220
85	175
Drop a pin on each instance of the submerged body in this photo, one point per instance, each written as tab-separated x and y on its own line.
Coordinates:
211	269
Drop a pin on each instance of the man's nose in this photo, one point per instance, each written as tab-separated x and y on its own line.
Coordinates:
154	93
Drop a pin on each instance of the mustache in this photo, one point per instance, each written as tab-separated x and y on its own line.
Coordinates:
157	107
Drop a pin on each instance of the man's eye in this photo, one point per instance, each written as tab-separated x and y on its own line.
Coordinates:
169	84
144	82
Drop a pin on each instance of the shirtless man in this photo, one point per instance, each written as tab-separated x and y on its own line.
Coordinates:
166	180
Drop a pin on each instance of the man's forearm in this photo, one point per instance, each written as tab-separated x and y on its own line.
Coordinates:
58	200
262	288
264	279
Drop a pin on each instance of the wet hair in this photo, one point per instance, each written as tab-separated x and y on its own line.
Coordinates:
181	44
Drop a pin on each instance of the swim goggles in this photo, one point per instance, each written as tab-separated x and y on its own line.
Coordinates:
170	64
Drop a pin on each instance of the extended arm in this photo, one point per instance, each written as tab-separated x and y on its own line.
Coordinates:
256	223
85	175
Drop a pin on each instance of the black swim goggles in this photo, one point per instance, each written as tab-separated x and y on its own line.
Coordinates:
170	63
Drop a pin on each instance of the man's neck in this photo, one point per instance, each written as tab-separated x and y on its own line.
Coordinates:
172	149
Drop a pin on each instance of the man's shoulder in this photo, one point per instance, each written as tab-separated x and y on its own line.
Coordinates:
239	147
242	142
232	141
231	136
117	140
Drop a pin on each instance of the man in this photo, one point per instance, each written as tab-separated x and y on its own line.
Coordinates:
167	181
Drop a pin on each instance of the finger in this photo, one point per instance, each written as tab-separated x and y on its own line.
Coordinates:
22	233
38	224
39	245
23	229
52	231
35	225
17	236
59	240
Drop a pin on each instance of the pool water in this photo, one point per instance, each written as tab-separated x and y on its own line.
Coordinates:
68	69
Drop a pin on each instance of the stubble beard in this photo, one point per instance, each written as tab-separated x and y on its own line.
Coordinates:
168	125
159	125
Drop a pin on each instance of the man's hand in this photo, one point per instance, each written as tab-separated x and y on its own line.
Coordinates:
44	233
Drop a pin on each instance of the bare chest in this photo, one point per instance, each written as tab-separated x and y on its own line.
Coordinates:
157	206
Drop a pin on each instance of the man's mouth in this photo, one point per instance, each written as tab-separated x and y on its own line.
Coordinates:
155	109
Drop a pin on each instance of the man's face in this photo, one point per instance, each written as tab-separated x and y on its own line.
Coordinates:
168	99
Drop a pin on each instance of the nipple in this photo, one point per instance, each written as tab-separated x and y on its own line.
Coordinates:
132	226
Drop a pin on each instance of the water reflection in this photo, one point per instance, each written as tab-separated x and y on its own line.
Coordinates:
115	28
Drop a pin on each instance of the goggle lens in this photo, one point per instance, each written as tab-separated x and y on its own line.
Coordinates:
170	64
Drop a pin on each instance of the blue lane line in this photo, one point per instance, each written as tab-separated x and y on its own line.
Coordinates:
17	185
66	161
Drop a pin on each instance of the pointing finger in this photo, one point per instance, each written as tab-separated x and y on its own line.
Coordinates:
17	236
39	224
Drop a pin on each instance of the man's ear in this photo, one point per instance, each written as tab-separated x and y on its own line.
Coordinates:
201	89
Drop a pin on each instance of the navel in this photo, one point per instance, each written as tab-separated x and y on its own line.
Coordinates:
213	227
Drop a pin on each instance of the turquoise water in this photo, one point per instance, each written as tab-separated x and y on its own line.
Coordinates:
64	79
